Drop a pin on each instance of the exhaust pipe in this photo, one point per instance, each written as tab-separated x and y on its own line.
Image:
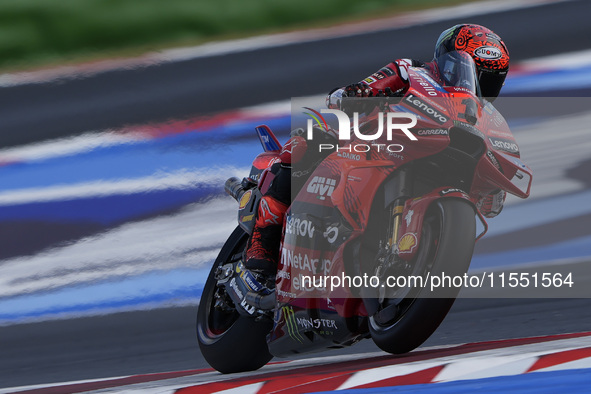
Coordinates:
234	188
264	302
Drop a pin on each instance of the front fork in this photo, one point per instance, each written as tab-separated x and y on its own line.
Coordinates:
397	192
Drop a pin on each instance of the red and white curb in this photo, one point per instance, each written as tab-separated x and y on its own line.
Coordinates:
434	365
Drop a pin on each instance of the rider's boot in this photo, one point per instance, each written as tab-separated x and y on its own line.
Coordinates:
262	252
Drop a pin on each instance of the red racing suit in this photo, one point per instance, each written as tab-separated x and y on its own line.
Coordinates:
390	80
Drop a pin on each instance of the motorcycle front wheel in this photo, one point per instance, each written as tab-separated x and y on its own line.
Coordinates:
229	341
447	242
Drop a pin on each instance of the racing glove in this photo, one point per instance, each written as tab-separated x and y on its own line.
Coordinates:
492	204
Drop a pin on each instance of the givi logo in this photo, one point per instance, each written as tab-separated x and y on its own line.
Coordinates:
321	186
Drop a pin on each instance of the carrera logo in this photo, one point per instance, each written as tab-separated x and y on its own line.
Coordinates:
494	160
488	53
321	186
432	132
426	109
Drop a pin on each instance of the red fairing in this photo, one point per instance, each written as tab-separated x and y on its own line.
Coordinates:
414	212
259	173
265	160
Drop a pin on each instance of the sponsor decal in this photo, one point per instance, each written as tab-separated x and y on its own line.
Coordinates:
451	190
299	174
297	226
287	294
403	66
290	324
369	80
488	52
469	128
501	133
460	89
396	155
305	228
498	120
247	218
387	71
504	145
493	160
432	132
331	234
283	274
308	323
248	308
347	155
267	214
493	36
426	109
245	199
378	76
304	262
431	87
234	287
408	217
250	281
407	243
322	187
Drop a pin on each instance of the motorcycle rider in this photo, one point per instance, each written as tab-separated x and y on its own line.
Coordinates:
492	64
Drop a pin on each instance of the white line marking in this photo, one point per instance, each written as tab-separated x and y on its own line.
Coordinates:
181	179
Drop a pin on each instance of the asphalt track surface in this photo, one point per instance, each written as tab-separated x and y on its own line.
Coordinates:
164	339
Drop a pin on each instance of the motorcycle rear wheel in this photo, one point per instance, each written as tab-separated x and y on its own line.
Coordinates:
229	341
447	244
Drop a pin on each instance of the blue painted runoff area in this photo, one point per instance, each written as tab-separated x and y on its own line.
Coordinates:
568	381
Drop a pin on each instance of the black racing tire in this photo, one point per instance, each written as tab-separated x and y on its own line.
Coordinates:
450	247
229	341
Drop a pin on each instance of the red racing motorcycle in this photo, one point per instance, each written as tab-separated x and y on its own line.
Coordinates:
367	234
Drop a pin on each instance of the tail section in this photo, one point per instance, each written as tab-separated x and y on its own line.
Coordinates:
268	139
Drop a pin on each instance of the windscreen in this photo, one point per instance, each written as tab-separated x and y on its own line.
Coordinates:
458	69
